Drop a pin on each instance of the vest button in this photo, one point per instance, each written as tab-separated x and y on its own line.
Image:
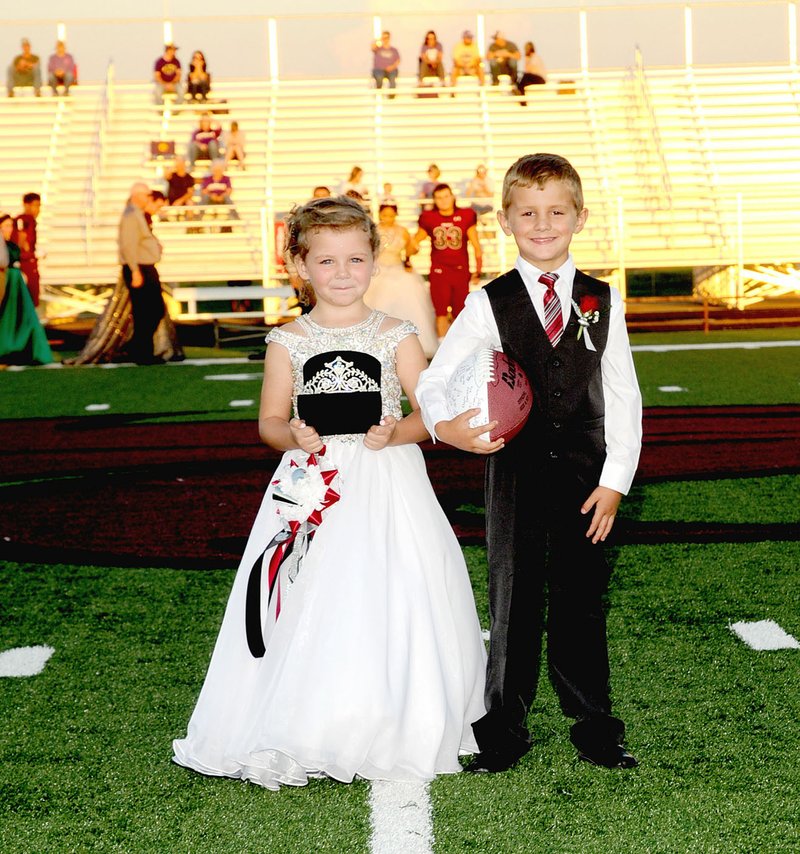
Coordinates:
553	455
557	393
556	363
557	425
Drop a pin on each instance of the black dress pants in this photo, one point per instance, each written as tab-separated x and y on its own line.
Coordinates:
147	307
544	575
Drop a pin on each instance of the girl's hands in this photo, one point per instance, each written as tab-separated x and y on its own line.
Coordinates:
307	438
379	435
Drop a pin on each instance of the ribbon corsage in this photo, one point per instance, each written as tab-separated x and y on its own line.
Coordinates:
301	493
588	313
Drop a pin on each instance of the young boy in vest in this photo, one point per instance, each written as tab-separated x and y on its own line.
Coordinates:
552	494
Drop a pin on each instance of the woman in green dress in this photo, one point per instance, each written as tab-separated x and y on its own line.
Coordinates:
22	338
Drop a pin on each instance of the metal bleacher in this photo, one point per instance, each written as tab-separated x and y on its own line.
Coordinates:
681	167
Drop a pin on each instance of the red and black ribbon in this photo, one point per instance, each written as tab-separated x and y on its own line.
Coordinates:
283	543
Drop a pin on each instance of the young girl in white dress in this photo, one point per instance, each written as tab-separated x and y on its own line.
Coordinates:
350	646
397	291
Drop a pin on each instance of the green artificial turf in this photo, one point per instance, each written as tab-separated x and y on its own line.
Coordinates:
713	723
178	392
85	746
758	500
720	377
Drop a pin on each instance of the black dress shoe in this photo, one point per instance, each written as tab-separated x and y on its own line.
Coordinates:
491	762
614	756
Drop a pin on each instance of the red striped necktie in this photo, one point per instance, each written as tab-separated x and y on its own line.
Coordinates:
553	322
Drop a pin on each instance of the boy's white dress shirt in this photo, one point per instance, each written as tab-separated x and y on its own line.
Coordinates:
475	327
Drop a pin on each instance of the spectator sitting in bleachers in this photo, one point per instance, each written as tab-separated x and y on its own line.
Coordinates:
534	73
180	185
198	80
355	183
204	142
61	69
467	60
217	188
234	145
321	192
386	61
480	187
25	70
167	75
387	197
503	56
431	58
426	186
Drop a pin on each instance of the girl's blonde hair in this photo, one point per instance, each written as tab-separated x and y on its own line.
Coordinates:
337	213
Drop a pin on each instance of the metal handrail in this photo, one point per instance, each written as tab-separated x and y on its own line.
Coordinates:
97	159
644	93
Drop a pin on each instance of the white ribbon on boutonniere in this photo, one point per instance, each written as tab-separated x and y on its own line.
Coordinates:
588	313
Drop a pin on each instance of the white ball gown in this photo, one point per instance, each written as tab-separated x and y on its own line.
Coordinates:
402	293
374	667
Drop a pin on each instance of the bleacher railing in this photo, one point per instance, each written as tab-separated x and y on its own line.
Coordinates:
97	158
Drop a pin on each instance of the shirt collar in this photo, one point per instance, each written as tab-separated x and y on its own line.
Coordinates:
530	274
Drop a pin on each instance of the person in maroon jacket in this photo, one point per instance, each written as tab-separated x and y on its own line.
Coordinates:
24	235
451	230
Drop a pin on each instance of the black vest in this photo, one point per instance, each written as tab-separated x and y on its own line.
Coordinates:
567	419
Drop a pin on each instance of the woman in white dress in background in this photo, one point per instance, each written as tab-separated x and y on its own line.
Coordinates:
396	289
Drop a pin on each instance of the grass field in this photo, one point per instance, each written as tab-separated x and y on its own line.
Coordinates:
85	746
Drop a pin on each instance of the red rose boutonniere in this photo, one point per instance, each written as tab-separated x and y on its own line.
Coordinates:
588	312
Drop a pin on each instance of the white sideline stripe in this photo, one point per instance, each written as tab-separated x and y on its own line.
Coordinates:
241	403
97	407
671	388
24	660
637	348
233	377
764	634
401	818
728	345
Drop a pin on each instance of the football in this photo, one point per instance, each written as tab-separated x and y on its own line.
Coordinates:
493	382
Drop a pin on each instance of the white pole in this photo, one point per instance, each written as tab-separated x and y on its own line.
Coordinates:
688	38
623	288
167	32
792	13
272	39
61	32
376	27
740	251
584	36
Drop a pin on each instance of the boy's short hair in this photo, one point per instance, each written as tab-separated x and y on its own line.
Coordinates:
31	197
337	213
536	170
439	187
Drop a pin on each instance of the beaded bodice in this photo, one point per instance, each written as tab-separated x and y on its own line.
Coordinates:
339	375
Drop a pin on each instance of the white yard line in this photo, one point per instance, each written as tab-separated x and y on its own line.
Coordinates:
241	360
764	634
234	377
729	345
24	660
401	818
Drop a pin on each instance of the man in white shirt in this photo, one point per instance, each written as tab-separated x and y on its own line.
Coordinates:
139	252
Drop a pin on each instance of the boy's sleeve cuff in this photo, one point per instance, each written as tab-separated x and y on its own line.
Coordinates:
617	476
432	415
